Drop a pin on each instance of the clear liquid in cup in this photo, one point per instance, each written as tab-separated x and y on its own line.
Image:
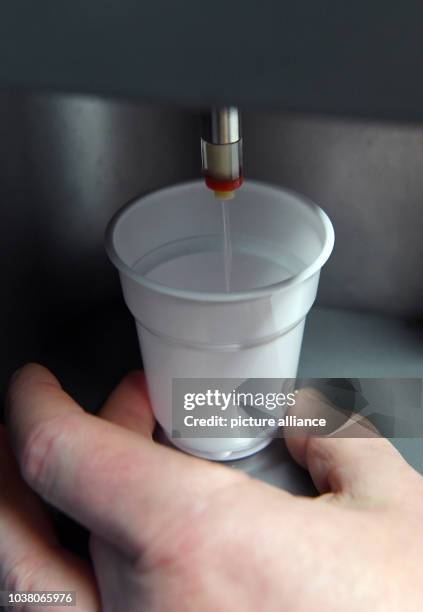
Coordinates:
197	264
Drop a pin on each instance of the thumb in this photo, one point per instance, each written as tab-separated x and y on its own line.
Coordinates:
356	462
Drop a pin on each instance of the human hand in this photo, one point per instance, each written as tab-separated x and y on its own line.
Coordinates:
173	533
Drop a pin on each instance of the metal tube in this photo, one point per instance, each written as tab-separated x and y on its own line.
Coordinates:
221	149
222	125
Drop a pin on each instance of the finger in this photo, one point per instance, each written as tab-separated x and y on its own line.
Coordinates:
102	475
354	460
313	404
30	555
17	504
128	405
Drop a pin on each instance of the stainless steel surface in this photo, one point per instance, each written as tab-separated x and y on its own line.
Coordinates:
368	177
344	343
221	125
273	465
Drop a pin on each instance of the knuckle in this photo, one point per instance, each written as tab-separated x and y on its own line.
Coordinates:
40	453
24	575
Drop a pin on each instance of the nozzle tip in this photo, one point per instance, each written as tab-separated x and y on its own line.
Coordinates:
224	195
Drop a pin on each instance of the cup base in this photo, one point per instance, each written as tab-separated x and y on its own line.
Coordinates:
225	455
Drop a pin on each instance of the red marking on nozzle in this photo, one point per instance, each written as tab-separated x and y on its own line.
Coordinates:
223	185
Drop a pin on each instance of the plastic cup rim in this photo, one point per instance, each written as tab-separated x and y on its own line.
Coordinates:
235	296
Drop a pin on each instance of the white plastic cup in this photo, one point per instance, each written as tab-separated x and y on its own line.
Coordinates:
255	333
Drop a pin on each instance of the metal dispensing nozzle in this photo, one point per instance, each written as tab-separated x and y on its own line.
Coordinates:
221	151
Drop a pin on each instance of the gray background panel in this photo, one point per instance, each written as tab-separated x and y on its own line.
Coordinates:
360	58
